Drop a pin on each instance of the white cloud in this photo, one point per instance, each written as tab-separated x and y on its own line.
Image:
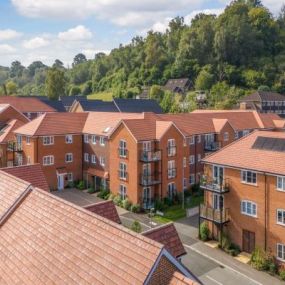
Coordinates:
9	34
6	49
79	33
35	43
90	53
188	18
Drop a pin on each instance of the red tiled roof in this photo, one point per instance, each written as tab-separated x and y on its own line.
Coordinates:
8	112
26	104
105	209
32	174
54	124
251	158
179	279
167	235
7	133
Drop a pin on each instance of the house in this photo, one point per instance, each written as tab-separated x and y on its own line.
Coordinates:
93	106
31	107
55	141
58	242
10	119
245	191
67	101
179	85
264	102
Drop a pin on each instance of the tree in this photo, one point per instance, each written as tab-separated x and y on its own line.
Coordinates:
55	83
167	101
156	92
79	58
11	87
58	64
136	227
75	90
34	66
16	69
204	80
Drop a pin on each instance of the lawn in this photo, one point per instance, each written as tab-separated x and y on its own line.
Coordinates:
172	213
105	96
194	201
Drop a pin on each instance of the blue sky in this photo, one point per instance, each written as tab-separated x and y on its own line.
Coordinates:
48	29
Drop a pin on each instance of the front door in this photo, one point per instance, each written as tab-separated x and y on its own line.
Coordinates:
60	182
248	241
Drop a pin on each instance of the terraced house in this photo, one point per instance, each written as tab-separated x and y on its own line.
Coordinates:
245	192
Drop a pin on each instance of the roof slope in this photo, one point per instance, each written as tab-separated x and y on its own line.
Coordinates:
59	243
54	124
30	173
98	106
168	236
179	279
250	158
105	209
8	112
68	100
264	96
137	105
26	104
7	130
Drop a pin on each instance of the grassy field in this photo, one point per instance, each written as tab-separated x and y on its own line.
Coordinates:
171	214
105	96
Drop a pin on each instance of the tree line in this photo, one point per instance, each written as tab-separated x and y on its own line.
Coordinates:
241	50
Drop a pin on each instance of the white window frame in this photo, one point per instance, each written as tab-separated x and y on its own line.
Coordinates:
171	147
245	132
102	160
70	155
236	135
199	139
28	140
94	139
192	140
226	136
171	170
86	138
184	162
192	179
280	248
93	159
68	139
283	217
102	141
48	140
199	157
123	191
123	170
70	177
247	205
192	159
146	146
86	157
123	148
246	172
48	160
282	189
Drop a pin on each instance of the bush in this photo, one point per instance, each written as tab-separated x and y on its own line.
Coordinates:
80	185
136	227
225	242
104	194
234	249
135	208
282	274
90	190
117	200
261	260
159	205
167	201
111	196
126	204
272	268
204	231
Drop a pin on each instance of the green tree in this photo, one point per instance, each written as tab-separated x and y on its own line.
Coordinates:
58	64
55	83
136	227
34	66
16	69
204	81
167	101
75	90
79	58
156	92
11	87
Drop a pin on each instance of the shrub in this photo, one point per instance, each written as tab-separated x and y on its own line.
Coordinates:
136	227
204	231
167	201
117	200
111	196
80	185
135	208
225	242
103	194
272	267
159	205
260	259
234	249
90	190
282	274
126	204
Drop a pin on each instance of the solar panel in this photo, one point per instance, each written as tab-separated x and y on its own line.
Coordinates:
271	144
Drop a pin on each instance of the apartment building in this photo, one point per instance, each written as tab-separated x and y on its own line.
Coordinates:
10	119
73	245
245	192
55	141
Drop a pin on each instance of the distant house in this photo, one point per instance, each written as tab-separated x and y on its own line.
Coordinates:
117	105
68	101
180	85
264	102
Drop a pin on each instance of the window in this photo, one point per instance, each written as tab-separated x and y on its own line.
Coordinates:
184	162
70	177
48	140
93	139
280	217
123	148
28	159
281	183
171	190
199	139
102	160
102	141
93	158
68	139
281	252
184	183
226	136
69	157
199	157
236	135
249	208
171	169
191	159
123	171
86	157
248	177
171	147
28	140
147	146
192	179
48	160
245	132
86	138
123	192
192	140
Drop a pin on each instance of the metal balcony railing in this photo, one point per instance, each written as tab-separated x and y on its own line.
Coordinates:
214	215
150	156
150	179
214	185
212	146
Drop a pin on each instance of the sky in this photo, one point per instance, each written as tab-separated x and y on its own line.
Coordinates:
59	29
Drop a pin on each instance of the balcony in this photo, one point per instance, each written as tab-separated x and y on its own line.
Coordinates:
212	146
212	185
123	153
171	151
171	173
150	179
214	215
150	156
148	203
123	175
12	146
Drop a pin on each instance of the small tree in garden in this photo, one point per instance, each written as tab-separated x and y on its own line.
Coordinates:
136	227
204	231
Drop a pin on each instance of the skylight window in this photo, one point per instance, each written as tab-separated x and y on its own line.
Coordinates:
107	130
